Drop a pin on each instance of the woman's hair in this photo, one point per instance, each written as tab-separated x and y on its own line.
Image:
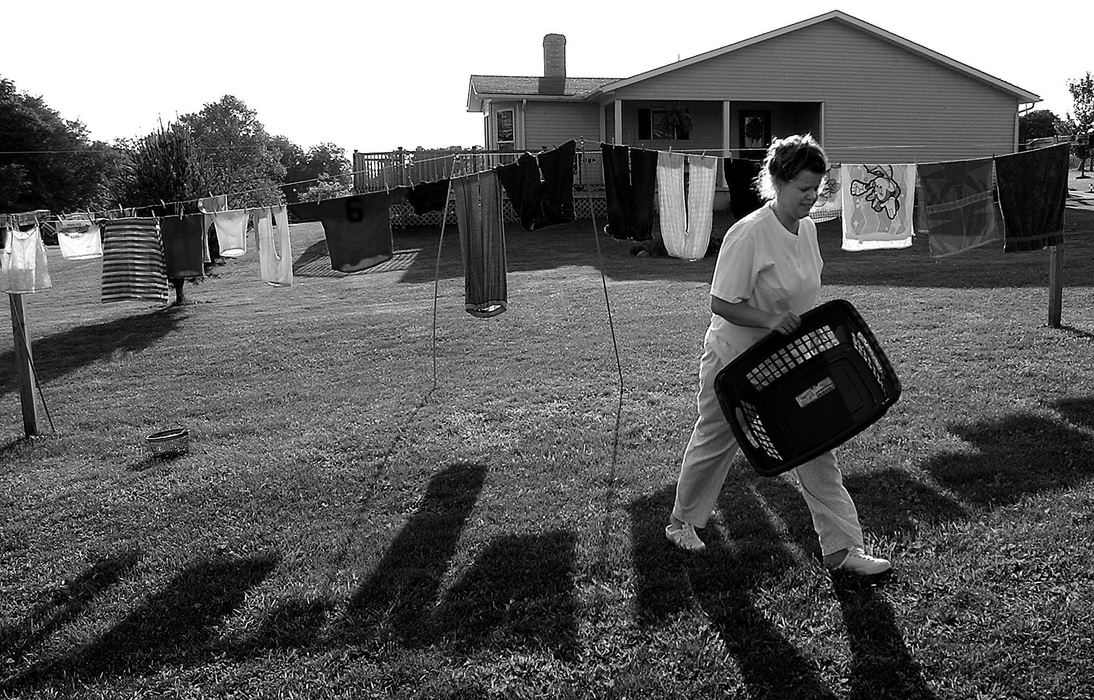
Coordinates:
785	159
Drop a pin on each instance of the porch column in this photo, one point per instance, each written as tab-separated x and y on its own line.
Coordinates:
618	139
727	143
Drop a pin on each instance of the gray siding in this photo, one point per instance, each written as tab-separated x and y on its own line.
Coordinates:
880	101
549	124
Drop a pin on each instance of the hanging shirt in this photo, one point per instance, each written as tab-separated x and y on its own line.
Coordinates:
877	205
133	266
1032	195
768	268
358	230
482	242
686	234
79	239
741	177
428	196
274	245
183	245
231	232
956	201
24	269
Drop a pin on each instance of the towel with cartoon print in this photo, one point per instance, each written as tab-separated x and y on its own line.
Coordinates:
877	205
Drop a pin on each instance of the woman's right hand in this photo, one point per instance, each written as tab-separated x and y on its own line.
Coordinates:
785	323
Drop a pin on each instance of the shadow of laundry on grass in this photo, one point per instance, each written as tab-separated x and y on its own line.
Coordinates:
1079	411
61	353
403	588
1018	455
724	580
891	502
294	623
659	567
175	626
315	262
519	594
881	666
62	605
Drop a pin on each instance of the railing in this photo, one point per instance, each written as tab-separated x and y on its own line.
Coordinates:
401	167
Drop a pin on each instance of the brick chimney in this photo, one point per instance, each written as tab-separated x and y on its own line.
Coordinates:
554	56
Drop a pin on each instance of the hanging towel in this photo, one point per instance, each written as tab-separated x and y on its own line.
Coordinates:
358	230
829	204
877	205
482	242
274	245
630	177
24	269
1032	195
79	239
686	234
182	245
428	196
231	232
956	206
133	266
741	177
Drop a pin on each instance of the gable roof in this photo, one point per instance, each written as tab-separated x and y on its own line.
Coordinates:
838	16
516	87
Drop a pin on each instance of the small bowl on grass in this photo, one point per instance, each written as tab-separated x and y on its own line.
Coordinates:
168	443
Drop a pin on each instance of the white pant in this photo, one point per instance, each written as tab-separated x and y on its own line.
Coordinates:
712	447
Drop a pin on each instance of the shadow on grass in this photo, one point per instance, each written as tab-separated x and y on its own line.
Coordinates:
659	567
891	502
1079	411
294	623
175	626
519	594
724	582
61	353
881	665
1018	455
64	604
399	594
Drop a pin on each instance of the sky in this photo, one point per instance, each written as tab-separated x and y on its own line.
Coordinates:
373	76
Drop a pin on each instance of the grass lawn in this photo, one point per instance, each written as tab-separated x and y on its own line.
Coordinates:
341	529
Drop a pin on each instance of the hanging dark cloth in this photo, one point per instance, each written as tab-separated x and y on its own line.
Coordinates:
955	204
741	178
428	196
357	228
482	242
182	245
630	175
541	187
1032	195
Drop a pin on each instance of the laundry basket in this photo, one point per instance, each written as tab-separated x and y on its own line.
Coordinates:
789	398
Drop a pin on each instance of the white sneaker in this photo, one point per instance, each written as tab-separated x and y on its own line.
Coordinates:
684	537
860	563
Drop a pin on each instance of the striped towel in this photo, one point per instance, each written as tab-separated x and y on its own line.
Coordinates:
133	266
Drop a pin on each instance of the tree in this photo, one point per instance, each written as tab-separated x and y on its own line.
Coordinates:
234	154
163	167
47	162
326	187
1082	94
303	169
1037	124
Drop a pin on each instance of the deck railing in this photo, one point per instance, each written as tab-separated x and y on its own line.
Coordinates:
388	169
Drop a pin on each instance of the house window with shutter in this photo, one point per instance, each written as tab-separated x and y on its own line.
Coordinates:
506	132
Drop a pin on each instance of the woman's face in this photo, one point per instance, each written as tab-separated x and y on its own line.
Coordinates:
796	197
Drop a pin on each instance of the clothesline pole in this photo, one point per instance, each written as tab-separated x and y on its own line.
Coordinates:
1055	285
23	365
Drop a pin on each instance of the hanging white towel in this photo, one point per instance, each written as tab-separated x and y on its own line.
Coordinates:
686	236
274	245
877	205
231	232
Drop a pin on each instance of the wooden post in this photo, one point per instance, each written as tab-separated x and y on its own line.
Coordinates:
1055	285
27	384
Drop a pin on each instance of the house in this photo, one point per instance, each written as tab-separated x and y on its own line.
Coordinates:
865	93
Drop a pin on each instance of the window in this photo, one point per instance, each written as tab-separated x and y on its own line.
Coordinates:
506	132
664	124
